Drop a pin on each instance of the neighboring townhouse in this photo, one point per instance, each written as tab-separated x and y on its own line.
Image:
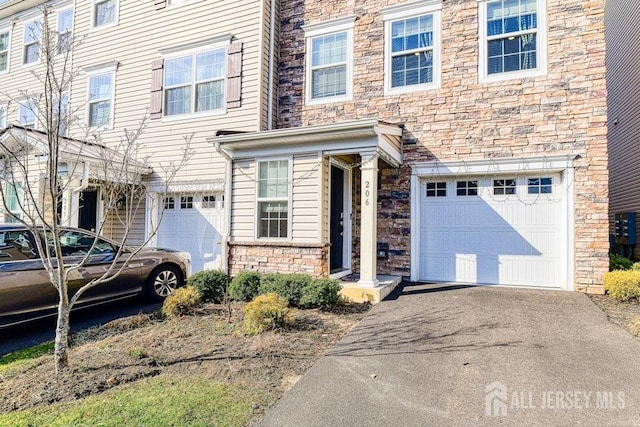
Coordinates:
454	140
457	140
192	67
622	19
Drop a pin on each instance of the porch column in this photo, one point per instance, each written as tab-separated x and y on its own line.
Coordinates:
368	220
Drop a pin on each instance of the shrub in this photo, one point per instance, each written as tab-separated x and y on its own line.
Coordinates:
244	287
181	302
320	293
636	266
265	312
618	262
287	286
211	284
622	285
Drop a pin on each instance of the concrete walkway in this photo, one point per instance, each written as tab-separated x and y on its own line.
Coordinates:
466	356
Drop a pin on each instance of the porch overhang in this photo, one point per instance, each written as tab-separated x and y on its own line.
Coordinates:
353	137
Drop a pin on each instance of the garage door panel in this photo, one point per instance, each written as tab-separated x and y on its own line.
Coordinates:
512	240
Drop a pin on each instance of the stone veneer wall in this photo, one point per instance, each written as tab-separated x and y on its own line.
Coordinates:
278	258
563	112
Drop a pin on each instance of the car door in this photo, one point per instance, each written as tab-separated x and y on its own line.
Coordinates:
75	245
25	289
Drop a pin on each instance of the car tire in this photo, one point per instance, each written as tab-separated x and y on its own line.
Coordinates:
162	282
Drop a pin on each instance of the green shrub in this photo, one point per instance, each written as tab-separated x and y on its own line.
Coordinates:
320	293
265	312
181	302
622	285
618	262
244	287
211	284
287	286
636	266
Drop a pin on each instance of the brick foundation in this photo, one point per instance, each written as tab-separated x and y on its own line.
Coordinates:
278	258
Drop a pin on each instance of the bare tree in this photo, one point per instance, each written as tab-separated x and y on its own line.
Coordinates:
38	167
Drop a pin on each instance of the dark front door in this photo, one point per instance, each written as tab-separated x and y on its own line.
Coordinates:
336	223
88	208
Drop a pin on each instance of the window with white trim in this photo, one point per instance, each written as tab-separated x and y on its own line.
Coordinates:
412	47
437	189
513	37
61	113
542	185
15	198
65	26
186	202
32	35
466	188
195	83
504	187
28	114
273	199
208	202
4	51
105	12
100	99
169	202
329	74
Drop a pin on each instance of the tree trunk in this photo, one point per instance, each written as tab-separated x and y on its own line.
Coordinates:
62	339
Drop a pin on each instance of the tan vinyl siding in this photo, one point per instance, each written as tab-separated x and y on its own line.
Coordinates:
305	206
114	228
622	20
138	39
243	201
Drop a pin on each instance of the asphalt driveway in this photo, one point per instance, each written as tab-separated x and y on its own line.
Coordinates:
455	355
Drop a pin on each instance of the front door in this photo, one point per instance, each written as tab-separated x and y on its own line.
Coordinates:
337	220
87	218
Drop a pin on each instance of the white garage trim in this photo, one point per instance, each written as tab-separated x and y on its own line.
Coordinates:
436	170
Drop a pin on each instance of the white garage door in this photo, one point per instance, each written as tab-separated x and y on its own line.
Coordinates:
499	230
193	223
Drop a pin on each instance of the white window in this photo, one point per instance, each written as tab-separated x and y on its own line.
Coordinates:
466	188
513	39
273	199
61	113
504	187
65	26
329	61
437	189
100	99
32	35
105	12
15	198
195	83
5	41
3	116
412	47
28	114
169	203
186	202
208	202
543	185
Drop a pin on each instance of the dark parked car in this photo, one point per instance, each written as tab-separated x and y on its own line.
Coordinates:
27	294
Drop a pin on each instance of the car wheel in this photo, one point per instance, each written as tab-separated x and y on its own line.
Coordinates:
162	282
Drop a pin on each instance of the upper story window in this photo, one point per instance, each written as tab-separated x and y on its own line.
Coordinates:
61	113
4	51
32	35
273	199
100	103
329	61
513	39
105	12
412	47
65	26
28	114
195	83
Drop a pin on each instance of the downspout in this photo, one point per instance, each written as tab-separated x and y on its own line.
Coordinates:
228	171
272	41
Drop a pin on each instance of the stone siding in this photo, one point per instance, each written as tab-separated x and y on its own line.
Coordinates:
562	112
278	258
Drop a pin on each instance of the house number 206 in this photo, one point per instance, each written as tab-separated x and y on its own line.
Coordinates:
367	184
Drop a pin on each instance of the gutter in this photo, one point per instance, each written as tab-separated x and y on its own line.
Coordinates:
226	236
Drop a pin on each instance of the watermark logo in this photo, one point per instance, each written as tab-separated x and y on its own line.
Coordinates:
499	400
495	400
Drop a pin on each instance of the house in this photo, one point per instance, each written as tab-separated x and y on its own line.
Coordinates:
623	84
432	140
